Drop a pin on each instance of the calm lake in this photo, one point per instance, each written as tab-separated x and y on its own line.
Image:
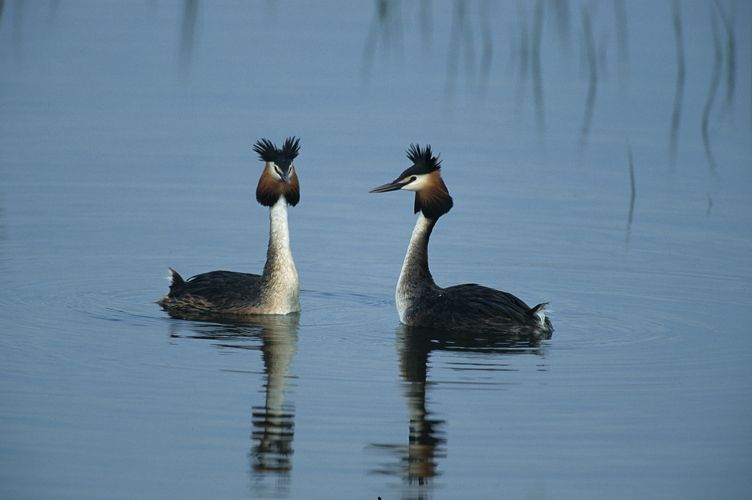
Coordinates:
600	158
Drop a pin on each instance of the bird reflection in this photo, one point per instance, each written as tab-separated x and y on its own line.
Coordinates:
273	421
418	462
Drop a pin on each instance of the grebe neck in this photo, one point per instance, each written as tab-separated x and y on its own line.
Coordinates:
415	278
280	278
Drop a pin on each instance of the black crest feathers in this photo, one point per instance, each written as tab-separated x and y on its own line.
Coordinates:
434	199
271	187
423	159
268	151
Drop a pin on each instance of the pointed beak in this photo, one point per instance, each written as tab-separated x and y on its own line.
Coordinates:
392	186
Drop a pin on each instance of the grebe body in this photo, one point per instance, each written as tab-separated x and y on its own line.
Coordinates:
220	294
422	303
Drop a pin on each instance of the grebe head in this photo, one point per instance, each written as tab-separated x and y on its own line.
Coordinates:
424	177
279	177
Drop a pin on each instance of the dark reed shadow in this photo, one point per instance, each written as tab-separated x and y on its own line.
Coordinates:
561	16
486	43
417	463
3	232
602	55
17	20
709	205
622	38
592	69
53	12
461	45
536	69
273	421
715	80
425	16
271	9
385	31
521	55
2	11
188	35
526	59
680	76
727	19
632	195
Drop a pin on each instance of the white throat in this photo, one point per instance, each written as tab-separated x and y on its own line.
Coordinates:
415	276
281	285
279	232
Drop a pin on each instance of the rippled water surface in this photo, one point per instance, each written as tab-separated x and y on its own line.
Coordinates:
599	158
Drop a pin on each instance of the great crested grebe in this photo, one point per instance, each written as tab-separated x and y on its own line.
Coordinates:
231	294
420	302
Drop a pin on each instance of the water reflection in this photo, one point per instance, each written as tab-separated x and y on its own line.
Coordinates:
721	58
592	68
561	17
622	34
632	193
3	234
680	76
460	42
19	9
536	64
273	421
426	24
417	463
715	81
385	30
710	204
472	31
188	34
728	26
527	53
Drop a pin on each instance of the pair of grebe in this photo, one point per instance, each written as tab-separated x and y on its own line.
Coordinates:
420	302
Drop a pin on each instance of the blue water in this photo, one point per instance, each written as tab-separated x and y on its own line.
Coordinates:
125	136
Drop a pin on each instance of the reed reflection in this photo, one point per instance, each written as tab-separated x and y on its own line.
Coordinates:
715	80
417	462
17	21
273	421
188	34
727	19
632	194
460	41
680	76
590	58
622	34
385	30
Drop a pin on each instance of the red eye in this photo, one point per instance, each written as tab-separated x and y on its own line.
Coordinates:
412	178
